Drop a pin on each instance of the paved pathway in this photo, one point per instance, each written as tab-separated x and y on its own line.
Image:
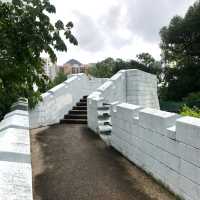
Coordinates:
72	163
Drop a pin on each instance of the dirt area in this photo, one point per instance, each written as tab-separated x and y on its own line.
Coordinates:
72	163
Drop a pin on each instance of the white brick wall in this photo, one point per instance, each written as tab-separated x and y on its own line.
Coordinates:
59	101
132	86
15	158
163	144
112	90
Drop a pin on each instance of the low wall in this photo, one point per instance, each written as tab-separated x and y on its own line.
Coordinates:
132	86
15	157
163	144
59	101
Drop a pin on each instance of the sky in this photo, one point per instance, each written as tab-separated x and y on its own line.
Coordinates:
116	28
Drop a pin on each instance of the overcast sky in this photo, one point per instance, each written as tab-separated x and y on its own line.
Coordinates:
116	28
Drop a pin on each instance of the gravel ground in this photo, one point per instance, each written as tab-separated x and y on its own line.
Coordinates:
72	163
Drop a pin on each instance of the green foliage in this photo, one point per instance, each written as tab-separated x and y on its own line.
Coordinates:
181	54
60	78
153	66
25	33
146	59
109	66
192	97
103	69
191	101
171	106
193	112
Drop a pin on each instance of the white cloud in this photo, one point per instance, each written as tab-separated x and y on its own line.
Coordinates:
116	28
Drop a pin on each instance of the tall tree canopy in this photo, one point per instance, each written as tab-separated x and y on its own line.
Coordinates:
180	44
110	66
25	33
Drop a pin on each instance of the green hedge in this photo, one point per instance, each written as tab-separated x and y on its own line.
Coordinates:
171	106
176	107
193	112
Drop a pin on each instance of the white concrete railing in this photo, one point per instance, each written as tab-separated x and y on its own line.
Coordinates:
131	86
59	101
163	144
15	157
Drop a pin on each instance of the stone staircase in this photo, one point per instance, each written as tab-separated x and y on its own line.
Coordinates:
78	114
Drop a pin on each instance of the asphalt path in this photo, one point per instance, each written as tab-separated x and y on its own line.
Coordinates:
72	163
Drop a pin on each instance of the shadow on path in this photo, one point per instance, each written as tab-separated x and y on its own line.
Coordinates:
72	163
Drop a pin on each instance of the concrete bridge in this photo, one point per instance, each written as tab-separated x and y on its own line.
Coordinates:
98	139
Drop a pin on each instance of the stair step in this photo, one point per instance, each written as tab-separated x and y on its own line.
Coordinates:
83	100
104	122
103	108
78	116
79	108
103	113
103	116
105	129
73	121
77	112
81	104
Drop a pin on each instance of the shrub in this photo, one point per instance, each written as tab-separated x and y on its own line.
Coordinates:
193	99
60	78
193	112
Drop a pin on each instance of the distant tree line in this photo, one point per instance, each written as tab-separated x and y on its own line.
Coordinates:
110	66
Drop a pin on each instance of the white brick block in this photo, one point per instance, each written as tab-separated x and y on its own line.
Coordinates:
189	188
190	171
157	153
189	153
157	120
188	131
171	132
16	141
15	181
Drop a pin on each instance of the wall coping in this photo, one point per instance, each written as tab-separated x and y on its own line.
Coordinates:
15	157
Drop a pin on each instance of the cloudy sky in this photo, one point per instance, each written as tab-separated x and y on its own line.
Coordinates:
116	28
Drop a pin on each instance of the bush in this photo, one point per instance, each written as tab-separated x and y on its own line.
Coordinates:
171	106
193	99
193	112
60	78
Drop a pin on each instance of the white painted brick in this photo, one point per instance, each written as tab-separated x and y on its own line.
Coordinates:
188	131
15	141
189	153
189	188
157	120
15	181
171	132
161	141
190	171
159	154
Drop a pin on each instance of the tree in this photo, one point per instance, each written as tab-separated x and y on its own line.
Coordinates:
151	65
146	59
180	44
60	78
103	69
110	66
25	33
